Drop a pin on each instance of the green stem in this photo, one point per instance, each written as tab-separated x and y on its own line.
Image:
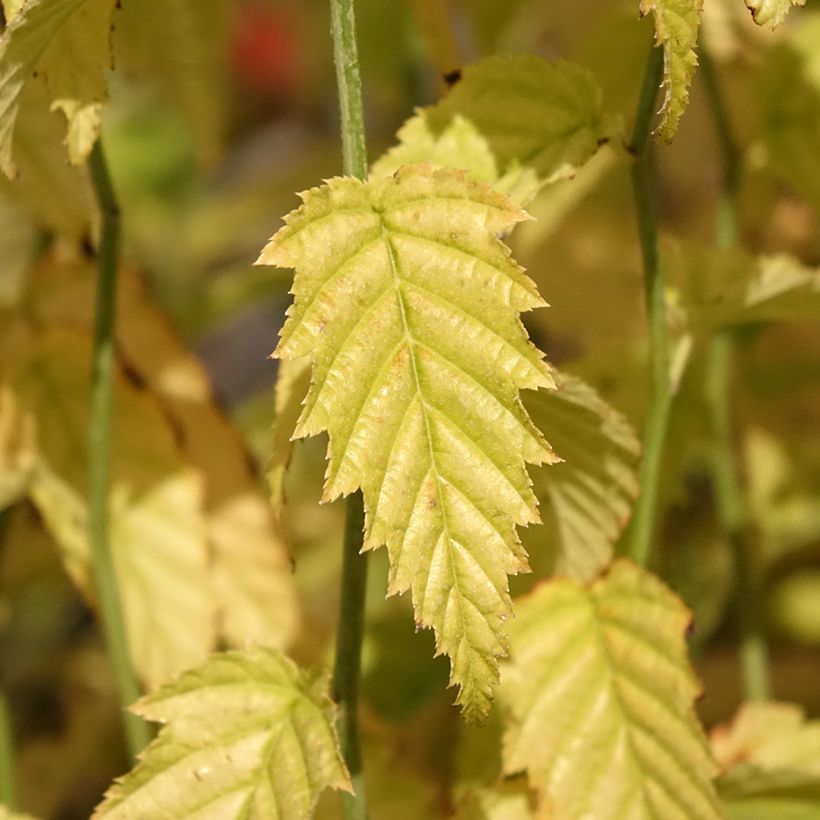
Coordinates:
137	732
754	660
348	656
8	792
354	565
660	398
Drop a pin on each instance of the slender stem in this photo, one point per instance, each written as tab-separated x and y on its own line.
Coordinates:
8	792
137	732
754	657
354	564
654	290
348	656
349	82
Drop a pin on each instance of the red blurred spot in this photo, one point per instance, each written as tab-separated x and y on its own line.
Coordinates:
265	52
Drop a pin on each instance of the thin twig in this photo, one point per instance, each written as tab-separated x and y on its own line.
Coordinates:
754	655
137	732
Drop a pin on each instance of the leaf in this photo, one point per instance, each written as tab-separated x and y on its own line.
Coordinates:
600	698
74	60
772	756
769	735
17	449
587	499
292	385
157	533
771	12
408	304
247	735
676	29
515	123
250	572
720	289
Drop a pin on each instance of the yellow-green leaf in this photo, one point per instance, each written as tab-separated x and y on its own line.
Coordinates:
247	735
7	814
506	800
515	123
676	29
587	499
771	12
600	699
73	56
409	304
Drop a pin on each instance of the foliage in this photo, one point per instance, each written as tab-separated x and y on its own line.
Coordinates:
494	445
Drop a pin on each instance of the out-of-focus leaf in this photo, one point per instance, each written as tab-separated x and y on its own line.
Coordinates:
771	12
182	48
795	605
586	500
600	699
7	814
515	123
291	388
728	288
248	563
771	736
17	449
246	735
157	528
772	758
409	305
676	29
507	800
790	123
69	40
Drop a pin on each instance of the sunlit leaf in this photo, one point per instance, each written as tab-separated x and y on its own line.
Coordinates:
409	306
7	814
750	793
514	123
771	12
600	696
586	500
676	29
69	40
246	735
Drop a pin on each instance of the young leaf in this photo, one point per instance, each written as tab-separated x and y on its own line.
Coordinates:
676	29
600	697
247	735
771	12
587	499
70	38
515	123
506	800
409	306
7	814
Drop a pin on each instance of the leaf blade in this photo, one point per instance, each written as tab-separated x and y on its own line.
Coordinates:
416	379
